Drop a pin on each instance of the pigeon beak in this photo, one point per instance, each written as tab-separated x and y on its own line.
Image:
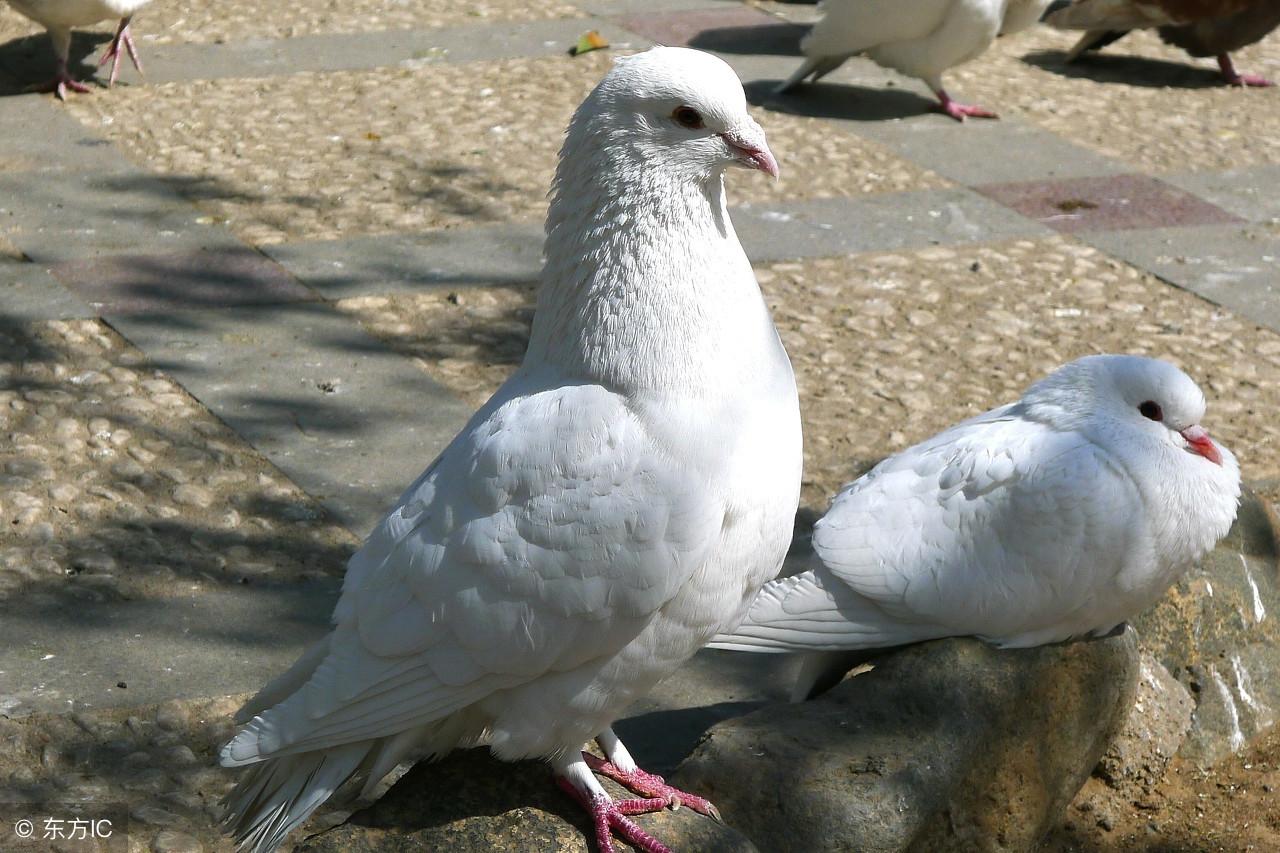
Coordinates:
749	149
1198	441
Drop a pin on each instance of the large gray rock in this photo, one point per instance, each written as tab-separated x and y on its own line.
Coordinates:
949	745
1218	632
472	802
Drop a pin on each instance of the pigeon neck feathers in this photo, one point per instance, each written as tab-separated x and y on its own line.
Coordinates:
641	255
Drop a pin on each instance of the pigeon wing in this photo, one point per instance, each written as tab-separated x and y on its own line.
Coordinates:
546	536
976	531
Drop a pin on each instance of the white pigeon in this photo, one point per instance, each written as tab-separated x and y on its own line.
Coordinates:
1058	516
60	16
919	38
619	500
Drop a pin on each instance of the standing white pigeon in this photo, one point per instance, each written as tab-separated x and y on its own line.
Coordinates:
1058	516
619	500
59	16
920	38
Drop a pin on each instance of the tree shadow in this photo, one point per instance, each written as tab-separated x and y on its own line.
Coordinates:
1129	70
30	60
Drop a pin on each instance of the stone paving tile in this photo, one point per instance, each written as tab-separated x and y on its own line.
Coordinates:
92	213
1140	101
47	139
347	420
133	515
393	263
743	28
1238	268
1113	203
29	292
487	255
142	284
1249	193
330	53
362	159
247	20
891	347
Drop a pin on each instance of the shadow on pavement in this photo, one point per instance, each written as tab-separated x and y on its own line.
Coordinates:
29	60
840	101
781	39
1115	67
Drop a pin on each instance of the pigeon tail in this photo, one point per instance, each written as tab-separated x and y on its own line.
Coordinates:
801	613
818	67
275	796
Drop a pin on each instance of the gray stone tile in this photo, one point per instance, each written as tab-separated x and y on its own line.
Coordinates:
1233	266
970	153
405	263
887	222
210	641
142	284
29	292
347	420
356	51
40	136
775	231
1251	193
65	216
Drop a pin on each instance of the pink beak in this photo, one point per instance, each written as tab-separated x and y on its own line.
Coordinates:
754	154
1198	439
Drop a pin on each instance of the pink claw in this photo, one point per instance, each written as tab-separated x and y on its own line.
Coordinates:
611	816
113	53
959	111
1235	78
60	83
652	786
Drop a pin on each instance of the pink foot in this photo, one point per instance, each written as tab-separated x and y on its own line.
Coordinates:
652	786
61	82
113	53
959	111
610	816
1235	78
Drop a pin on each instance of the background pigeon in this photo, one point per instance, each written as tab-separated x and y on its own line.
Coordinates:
59	16
1057	516
922	38
1200	27
618	501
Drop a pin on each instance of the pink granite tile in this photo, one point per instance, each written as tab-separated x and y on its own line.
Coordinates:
144	284
1110	203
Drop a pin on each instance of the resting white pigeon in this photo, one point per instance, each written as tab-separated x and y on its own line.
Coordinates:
920	38
59	16
616	503
1058	516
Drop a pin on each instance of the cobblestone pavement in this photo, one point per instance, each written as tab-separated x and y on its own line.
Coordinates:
244	298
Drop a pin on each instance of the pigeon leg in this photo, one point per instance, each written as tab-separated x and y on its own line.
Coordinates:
60	83
957	110
113	52
1235	78
621	768
609	816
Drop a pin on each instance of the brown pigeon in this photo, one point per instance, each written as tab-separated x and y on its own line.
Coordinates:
1200	27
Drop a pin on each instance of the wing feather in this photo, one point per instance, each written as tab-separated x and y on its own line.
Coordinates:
550	521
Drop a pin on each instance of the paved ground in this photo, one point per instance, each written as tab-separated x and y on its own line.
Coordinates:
243	300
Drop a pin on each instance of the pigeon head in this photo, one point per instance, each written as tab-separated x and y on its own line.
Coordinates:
1133	396
678	109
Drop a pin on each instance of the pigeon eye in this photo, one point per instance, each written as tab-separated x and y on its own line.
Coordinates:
1151	410
688	117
